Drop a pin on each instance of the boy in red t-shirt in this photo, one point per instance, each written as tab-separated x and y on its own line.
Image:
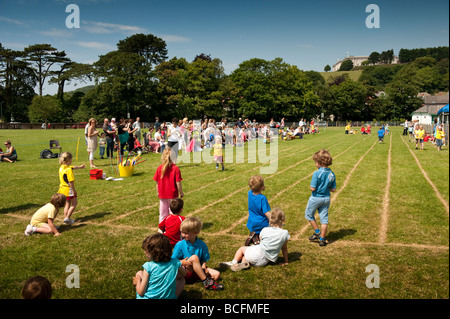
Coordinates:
170	226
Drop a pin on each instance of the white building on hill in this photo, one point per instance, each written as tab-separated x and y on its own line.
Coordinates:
357	61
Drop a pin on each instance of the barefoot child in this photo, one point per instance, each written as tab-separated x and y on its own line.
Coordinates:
194	254
67	185
43	220
273	239
322	183
163	276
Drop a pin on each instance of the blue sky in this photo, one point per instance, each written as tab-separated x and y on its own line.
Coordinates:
309	34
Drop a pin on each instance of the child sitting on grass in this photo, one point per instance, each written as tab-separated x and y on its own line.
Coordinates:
273	239
194	254
258	209
170	226
163	276
43	220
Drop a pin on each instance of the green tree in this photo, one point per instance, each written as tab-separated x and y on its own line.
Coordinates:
327	68
374	58
45	108
42	57
17	82
149	46
347	65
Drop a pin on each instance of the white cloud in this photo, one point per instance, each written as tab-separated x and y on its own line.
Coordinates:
108	28
16	22
57	33
174	38
95	45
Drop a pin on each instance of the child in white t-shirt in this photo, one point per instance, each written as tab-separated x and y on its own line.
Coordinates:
273	239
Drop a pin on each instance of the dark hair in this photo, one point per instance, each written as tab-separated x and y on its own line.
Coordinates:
37	288
175	120
176	205
158	246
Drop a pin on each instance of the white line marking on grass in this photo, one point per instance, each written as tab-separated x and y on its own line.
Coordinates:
385	211
438	194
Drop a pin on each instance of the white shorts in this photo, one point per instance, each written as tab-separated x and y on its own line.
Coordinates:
255	256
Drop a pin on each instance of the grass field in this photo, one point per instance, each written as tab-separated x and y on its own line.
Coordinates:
391	209
354	75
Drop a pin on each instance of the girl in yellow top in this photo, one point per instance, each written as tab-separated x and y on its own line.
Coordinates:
419	135
439	135
67	185
218	156
43	220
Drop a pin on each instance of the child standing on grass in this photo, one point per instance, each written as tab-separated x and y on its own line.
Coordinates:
380	135
439	135
194	254
258	209
170	226
419	135
273	239
322	183
43	220
67	185
218	156
168	183
163	276
102	145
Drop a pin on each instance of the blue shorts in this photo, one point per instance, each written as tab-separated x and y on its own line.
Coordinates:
321	204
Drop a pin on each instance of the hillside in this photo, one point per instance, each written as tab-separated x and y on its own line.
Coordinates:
354	75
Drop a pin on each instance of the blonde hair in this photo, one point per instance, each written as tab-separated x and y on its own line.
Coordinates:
166	160
277	217
64	158
191	225
256	183
323	157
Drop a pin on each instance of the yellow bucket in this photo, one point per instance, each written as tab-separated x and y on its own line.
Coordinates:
126	171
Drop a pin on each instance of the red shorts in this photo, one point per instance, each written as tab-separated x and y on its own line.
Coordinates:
70	197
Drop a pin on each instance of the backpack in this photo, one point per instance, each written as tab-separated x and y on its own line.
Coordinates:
48	154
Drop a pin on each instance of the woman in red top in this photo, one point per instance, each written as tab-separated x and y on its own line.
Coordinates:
168	183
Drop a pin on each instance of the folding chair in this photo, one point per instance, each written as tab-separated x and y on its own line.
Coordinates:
54	144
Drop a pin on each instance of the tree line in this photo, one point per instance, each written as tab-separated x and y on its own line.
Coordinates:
138	79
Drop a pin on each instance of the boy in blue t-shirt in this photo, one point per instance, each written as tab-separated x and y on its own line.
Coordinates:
194	254
258	209
322	183
381	133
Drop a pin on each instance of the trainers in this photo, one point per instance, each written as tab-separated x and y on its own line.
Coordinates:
314	237
226	264
212	285
69	221
240	266
322	242
29	231
253	238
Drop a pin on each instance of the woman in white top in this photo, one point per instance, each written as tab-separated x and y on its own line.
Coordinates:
92	144
173	137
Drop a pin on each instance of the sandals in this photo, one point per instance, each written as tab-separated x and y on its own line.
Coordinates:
253	238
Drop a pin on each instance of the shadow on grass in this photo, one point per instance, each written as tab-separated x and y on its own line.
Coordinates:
93	216
63	228
341	233
20	208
